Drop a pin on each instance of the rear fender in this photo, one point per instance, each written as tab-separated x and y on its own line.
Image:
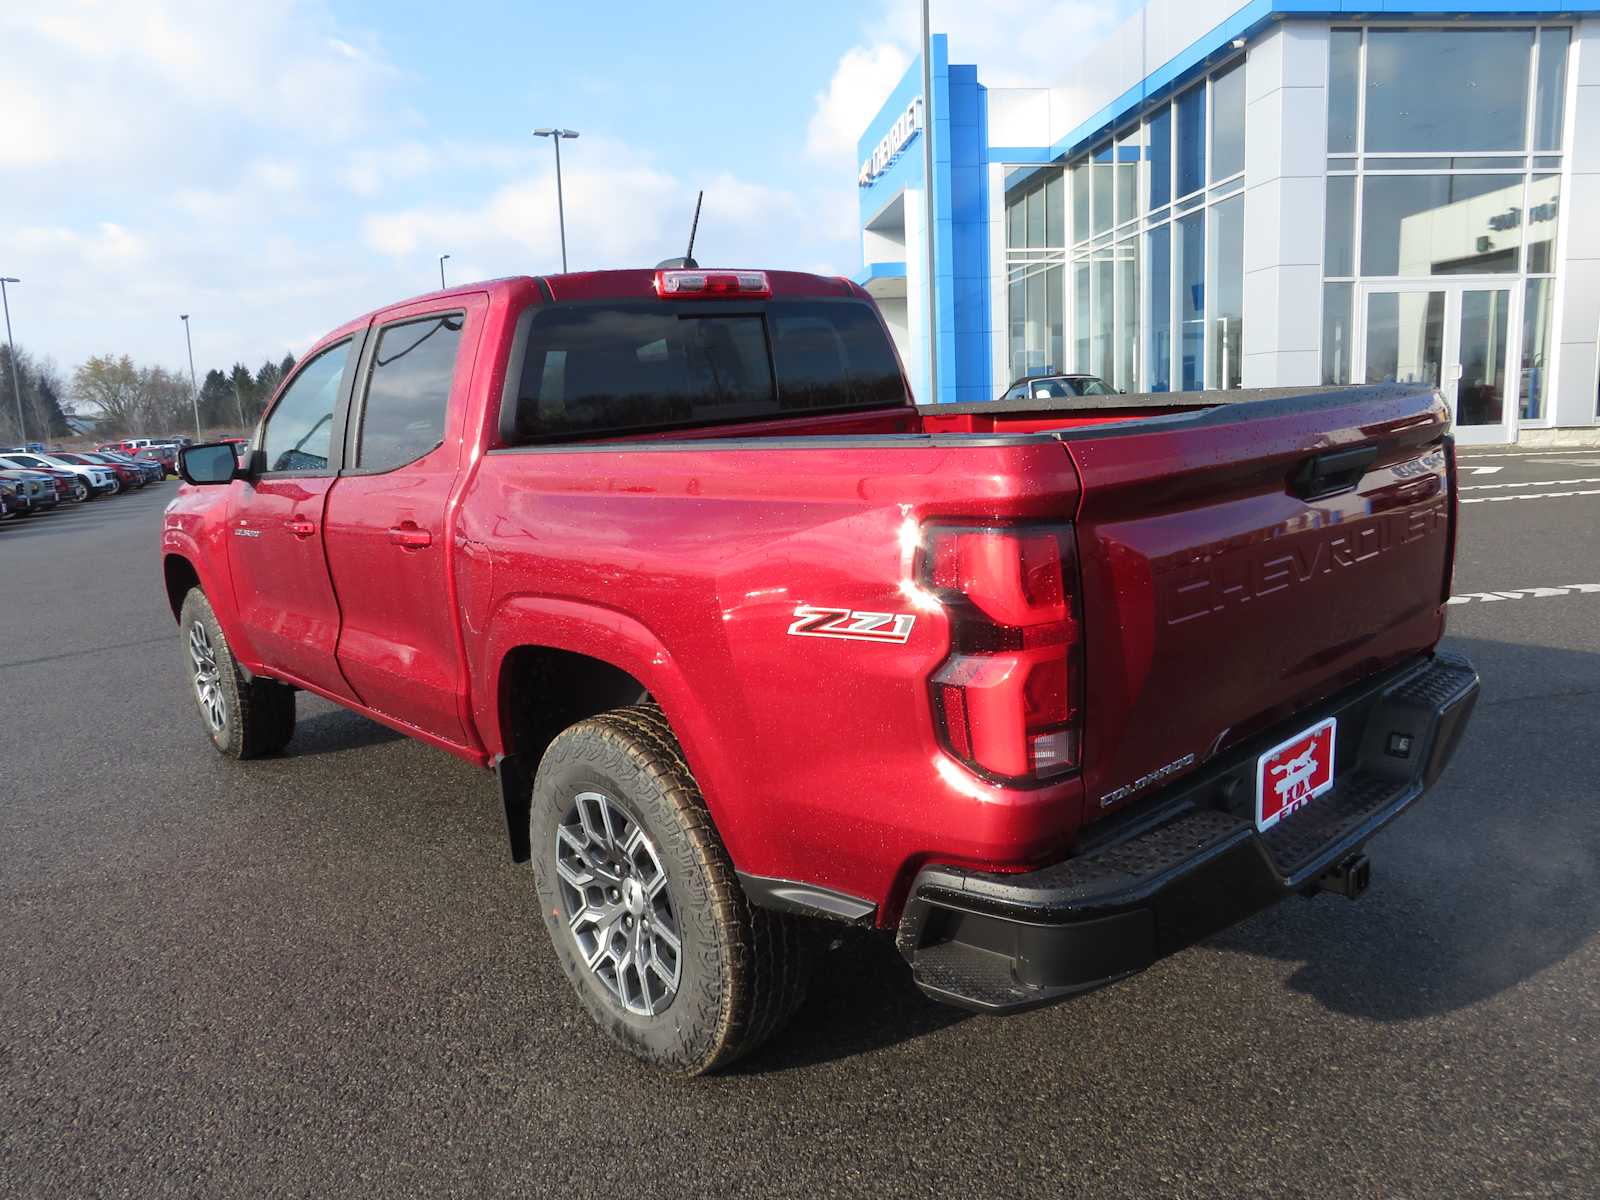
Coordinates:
622	642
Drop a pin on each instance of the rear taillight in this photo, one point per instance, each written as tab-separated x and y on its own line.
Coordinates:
699	285
1008	699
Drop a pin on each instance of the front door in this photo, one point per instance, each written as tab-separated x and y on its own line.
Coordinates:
388	532
1452	336
281	586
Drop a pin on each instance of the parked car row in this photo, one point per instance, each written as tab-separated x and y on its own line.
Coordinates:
34	479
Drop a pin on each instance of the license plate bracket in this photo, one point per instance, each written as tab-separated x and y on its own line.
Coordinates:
1295	772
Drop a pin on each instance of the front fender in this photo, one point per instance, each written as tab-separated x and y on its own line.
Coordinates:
621	641
201	544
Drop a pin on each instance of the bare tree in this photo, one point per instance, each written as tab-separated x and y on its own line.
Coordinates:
113	386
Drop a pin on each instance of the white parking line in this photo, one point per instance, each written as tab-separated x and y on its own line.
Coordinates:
1466	456
1535	496
1534	593
1483	487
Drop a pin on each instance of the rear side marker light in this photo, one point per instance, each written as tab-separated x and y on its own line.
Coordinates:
1008	699
697	285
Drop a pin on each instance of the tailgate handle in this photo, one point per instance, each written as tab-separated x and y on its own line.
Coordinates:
1328	474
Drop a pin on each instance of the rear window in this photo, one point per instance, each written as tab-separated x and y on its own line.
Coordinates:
592	370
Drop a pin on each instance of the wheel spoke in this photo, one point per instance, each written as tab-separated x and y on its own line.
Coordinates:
620	910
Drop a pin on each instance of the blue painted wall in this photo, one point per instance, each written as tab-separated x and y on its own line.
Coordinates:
960	208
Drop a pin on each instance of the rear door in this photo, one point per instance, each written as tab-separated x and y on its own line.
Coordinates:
388	529
1242	565
282	590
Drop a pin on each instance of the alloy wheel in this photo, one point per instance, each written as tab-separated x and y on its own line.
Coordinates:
618	903
207	678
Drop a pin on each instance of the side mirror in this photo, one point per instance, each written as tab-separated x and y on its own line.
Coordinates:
209	464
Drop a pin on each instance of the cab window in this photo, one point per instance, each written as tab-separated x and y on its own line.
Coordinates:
408	391
299	431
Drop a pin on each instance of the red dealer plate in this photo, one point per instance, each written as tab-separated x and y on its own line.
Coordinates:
1294	773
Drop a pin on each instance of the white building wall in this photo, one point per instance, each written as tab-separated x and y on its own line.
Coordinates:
999	293
1286	138
1578	328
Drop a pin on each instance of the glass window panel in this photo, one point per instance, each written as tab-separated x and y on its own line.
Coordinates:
1537	312
1158	362
1481	390
1337	332
1080	315
1191	144
1339	235
1447	89
1225	290
1056	354
1550	105
1344	82
1128	178
1018	301
1055	209
1038	336
1160	133
1341	164
1035	216
1487	162
408	392
1016	223
1544	212
1547	162
299	430
1405	337
1102	206
1227	123
1105	297
1127	356
1415	225
1080	203
1192	300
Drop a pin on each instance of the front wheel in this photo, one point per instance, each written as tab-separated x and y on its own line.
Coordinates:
642	904
244	717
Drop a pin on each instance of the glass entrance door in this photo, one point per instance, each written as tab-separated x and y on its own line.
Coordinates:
1455	337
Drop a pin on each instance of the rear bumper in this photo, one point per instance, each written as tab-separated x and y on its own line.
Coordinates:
1189	864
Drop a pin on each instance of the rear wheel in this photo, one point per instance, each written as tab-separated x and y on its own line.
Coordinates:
244	717
80	491
642	904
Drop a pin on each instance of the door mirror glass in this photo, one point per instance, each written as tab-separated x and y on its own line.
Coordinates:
210	464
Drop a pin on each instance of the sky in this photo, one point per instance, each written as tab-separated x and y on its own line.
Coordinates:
276	167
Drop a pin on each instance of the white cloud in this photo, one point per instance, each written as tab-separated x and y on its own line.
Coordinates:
1015	43
861	82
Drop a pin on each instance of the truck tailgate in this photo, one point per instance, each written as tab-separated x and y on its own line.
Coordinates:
1243	562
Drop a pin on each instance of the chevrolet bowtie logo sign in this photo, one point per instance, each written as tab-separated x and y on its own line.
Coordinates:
906	126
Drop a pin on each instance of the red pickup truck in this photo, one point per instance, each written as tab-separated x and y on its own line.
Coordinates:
1049	689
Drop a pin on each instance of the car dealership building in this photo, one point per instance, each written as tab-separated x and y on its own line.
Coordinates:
1281	192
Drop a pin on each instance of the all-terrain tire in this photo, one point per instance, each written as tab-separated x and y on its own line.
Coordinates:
256	715
742	970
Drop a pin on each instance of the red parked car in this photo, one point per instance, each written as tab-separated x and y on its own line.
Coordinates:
127	476
1045	689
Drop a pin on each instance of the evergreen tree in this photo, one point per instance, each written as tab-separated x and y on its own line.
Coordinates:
286	366
244	387
268	376
218	408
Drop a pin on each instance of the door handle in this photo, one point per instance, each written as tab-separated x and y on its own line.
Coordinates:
410	536
300	527
1332	472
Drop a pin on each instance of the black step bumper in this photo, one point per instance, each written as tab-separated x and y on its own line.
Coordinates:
1191	863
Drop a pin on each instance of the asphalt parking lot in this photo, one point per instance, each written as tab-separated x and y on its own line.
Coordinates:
319	974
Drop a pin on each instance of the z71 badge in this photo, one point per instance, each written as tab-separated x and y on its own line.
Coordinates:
811	621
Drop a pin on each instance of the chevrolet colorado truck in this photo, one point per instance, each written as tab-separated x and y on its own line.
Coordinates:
1047	689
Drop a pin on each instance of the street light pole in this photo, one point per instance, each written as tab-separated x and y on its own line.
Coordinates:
555	135
442	257
194	386
16	386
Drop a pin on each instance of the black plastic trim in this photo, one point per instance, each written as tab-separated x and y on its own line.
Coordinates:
1191	864
516	795
807	899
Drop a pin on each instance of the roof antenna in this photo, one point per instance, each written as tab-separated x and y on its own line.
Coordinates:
687	261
